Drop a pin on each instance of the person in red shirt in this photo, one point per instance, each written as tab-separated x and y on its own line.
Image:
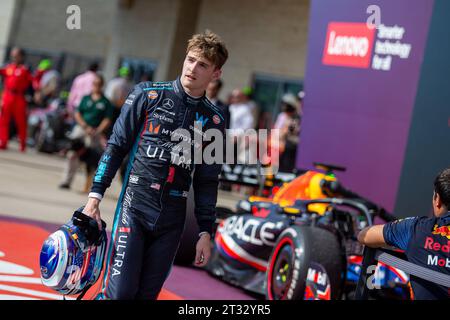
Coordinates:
16	80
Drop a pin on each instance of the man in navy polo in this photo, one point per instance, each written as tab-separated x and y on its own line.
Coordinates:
426	241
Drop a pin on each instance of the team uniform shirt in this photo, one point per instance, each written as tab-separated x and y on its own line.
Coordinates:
426	242
93	112
17	78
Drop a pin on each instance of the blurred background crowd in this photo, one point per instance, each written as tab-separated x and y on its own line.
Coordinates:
123	42
74	117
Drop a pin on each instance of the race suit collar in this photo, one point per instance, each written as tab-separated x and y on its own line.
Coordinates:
189	100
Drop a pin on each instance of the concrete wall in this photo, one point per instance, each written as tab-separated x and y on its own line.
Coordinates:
262	36
146	31
7	19
42	26
186	23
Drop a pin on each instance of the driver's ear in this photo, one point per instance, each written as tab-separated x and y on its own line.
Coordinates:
437	200
217	74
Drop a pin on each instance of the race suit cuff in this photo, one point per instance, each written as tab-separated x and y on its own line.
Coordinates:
98	189
204	232
95	195
205	227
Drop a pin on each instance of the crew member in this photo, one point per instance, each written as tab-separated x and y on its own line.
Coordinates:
17	79
426	241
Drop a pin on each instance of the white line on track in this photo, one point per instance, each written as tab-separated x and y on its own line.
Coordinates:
14	268
20	279
36	293
12	297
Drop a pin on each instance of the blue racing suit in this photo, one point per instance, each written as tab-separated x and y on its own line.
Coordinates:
426	242
151	211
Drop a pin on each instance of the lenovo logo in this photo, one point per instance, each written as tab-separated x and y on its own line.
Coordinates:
348	44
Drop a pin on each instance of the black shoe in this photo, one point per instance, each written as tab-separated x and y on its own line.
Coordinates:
64	186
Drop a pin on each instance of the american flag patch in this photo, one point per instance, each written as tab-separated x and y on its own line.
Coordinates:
156	186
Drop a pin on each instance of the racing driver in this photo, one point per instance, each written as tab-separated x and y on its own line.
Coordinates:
426	241
151	211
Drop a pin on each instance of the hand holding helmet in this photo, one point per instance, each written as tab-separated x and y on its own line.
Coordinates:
92	210
71	258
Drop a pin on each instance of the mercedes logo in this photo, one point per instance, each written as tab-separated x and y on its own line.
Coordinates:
168	104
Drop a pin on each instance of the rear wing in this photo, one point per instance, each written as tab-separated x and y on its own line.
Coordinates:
252	176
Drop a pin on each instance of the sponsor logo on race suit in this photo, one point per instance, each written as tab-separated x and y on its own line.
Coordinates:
155	153
168	104
432	245
102	168
176	159
134	179
216	119
162	117
122	235
438	261
164	114
442	231
126	205
160	109
153	128
201	119
177	135
130	99
152	95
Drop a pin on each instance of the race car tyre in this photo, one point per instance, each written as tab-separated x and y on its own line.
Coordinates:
306	263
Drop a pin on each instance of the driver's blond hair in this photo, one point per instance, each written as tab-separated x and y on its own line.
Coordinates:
210	46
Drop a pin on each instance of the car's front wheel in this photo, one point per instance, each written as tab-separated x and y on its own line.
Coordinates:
306	263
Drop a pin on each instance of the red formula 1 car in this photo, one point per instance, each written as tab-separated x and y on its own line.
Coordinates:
300	243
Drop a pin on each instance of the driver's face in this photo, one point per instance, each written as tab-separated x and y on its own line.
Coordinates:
197	73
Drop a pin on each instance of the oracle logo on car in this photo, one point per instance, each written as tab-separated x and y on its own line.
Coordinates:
348	44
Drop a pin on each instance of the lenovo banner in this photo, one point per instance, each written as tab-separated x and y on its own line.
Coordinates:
361	83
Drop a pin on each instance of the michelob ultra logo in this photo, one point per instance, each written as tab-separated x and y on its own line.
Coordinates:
348	44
